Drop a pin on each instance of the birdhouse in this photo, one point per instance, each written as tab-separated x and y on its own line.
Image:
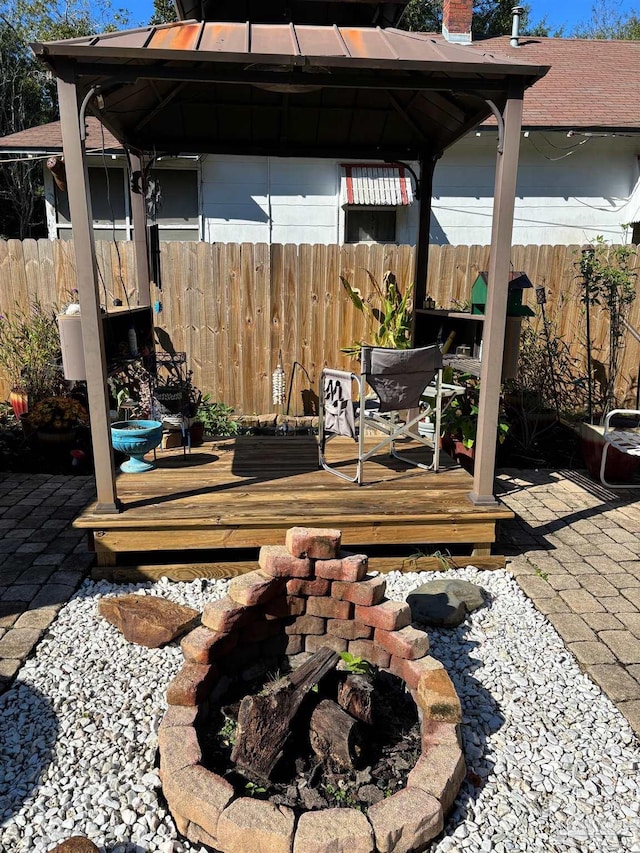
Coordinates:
518	281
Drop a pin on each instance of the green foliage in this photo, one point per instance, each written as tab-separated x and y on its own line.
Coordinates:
389	322
341	795
30	351
227	732
539	573
355	664
608	283
608	22
164	12
253	790
216	418
460	418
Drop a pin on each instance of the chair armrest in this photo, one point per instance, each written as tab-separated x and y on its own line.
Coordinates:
613	412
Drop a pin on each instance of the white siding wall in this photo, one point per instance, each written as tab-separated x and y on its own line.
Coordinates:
562	197
279	200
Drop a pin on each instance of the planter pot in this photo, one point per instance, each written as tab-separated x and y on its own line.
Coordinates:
620	467
56	440
135	438
454	447
19	401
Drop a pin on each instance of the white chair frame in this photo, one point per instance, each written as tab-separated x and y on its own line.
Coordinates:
623	440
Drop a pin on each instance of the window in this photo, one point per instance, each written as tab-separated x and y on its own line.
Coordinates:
635	232
108	203
173	203
370	225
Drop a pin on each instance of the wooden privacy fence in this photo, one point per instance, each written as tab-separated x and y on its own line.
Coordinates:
234	307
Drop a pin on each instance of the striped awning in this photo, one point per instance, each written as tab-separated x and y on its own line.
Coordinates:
386	184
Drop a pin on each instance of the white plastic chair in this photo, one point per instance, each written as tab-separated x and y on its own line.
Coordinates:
625	440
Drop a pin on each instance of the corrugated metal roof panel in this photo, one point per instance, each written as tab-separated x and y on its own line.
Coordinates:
383	184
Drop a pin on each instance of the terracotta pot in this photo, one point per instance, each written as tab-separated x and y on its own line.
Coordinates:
19	401
464	456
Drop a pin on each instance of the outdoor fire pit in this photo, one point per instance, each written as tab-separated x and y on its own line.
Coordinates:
230	731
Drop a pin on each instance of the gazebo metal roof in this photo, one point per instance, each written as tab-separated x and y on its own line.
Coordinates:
287	89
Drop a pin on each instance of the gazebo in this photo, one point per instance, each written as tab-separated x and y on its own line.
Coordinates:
286	90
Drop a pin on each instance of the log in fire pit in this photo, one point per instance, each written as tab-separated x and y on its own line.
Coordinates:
231	733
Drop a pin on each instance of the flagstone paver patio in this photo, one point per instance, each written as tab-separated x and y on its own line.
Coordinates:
574	549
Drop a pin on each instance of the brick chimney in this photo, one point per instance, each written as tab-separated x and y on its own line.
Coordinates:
456	20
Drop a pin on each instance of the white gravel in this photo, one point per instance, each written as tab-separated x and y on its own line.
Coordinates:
555	767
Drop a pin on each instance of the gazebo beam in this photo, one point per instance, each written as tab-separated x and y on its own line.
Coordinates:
88	295
139	216
495	318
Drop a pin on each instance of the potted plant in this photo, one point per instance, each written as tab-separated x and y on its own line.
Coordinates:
388	322
608	285
56	419
216	418
459	424
30	355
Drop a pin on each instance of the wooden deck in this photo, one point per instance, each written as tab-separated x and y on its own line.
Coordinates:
247	491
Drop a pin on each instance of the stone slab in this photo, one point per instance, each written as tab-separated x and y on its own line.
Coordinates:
147	620
406	821
248	824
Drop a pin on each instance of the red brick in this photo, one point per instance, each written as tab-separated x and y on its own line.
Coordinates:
330	608
179	715
436	733
406	643
288	605
315	542
367	592
371	652
313	643
412	670
197	795
255	588
224	615
306	625
316	586
202	645
276	560
179	748
437	697
191	685
349	629
346	567
388	615
256	632
439	772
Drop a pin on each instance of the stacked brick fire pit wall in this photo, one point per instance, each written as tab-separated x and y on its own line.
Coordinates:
306	595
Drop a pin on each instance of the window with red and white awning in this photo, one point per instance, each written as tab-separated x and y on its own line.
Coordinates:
385	185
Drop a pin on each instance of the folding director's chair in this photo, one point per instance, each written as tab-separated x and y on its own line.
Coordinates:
398	378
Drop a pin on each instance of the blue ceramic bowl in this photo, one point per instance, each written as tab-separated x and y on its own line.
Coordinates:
135	438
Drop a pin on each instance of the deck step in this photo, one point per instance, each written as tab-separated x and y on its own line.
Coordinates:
229	569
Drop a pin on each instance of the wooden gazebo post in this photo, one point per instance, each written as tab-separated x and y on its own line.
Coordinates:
497	292
139	216
88	295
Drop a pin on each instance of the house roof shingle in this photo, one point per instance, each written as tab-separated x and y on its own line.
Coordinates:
592	84
47	138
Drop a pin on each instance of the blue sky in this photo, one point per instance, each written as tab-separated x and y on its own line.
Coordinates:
565	13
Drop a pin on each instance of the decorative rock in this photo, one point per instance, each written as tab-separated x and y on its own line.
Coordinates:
333	831
277	561
437	696
369	591
147	620
75	844
346	567
405	821
444	603
255	825
198	795
439	772
315	542
255	588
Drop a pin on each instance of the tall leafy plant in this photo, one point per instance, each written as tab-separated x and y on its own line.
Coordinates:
30	351
386	311
607	283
